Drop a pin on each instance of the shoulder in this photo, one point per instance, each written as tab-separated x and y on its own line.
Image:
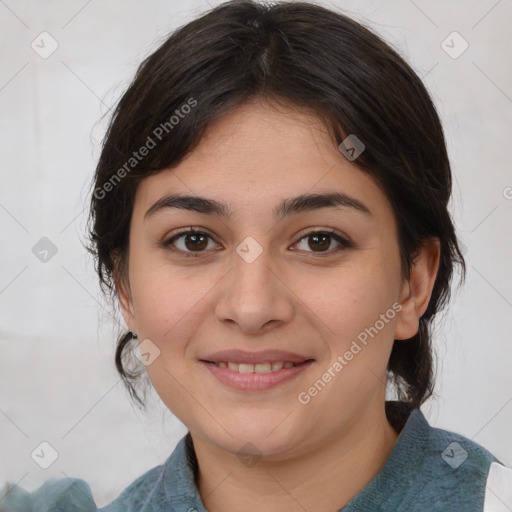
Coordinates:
66	494
458	453
456	470
434	469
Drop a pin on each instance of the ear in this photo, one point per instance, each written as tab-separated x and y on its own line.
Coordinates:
124	293
416	291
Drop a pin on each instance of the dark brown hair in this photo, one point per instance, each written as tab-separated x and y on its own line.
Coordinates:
312	58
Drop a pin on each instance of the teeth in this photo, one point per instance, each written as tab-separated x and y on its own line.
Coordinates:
244	368
262	368
256	368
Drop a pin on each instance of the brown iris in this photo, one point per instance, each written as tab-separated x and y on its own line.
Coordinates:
199	241
324	237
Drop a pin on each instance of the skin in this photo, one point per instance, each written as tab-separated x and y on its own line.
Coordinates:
314	456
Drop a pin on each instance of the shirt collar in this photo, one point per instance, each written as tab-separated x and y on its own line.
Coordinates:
180	471
385	490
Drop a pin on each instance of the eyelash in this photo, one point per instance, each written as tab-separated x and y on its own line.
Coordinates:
344	244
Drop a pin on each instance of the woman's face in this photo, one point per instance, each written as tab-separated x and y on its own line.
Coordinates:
266	277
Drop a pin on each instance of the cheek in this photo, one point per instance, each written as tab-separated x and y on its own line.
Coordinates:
168	308
356	317
349	300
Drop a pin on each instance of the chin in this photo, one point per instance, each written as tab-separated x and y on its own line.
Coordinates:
267	438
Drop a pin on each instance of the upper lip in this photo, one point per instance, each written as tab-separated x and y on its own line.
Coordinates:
265	356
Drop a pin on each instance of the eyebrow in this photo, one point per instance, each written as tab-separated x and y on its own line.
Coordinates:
289	206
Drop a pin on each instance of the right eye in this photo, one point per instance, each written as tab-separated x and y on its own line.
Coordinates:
191	240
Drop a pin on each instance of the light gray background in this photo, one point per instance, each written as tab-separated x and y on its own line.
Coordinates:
57	378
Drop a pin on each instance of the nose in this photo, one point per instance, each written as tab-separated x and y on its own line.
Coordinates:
254	297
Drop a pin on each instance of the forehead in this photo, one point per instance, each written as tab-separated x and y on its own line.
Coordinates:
256	155
264	137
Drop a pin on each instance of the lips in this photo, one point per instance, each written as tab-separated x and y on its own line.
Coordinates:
249	371
255	380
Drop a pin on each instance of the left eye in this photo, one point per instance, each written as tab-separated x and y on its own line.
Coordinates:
322	240
197	242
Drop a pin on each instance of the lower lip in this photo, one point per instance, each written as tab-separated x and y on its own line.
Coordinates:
255	381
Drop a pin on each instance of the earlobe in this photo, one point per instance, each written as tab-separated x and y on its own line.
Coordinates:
416	291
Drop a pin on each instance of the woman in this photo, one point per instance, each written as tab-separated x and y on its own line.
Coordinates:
270	211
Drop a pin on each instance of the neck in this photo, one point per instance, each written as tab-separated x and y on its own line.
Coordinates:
326	478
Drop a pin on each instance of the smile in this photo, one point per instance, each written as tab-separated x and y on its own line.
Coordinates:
255	368
255	377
